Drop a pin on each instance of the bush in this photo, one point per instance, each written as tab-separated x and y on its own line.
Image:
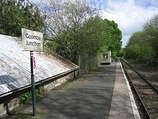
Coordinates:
25	97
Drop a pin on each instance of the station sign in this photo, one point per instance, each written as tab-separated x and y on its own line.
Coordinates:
32	40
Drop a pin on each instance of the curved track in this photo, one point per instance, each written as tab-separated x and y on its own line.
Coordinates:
146	93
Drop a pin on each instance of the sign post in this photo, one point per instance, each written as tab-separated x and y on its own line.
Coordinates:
32	41
32	84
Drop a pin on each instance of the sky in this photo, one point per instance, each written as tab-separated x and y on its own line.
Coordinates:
130	15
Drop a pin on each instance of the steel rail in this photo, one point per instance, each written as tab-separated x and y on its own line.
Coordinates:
140	75
135	90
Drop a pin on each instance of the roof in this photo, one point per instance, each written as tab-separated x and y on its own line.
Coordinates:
15	65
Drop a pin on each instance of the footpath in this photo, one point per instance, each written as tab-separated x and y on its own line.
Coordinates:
101	94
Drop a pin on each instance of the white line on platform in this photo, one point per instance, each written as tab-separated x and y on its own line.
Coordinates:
134	107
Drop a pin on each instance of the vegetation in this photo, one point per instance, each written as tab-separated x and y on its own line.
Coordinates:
80	34
96	35
143	46
17	14
27	95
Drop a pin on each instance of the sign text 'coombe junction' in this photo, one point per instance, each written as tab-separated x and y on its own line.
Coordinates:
32	40
35	43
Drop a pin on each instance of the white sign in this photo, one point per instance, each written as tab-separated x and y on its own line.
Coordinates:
32	40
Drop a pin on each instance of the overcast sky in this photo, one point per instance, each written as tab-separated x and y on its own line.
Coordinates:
130	15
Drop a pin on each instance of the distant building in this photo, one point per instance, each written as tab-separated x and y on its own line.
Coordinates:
104	58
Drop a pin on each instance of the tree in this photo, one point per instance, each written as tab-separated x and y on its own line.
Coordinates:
65	15
64	20
114	40
151	30
77	30
94	36
105	34
139	48
15	14
146	42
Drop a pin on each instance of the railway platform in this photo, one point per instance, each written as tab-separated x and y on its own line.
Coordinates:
101	94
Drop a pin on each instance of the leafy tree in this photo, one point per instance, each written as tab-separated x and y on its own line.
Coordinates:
146	50
114	40
15	14
151	31
139	48
104	33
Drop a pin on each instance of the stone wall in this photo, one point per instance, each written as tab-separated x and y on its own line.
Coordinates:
9	105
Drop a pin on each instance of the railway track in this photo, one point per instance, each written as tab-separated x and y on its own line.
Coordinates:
146	93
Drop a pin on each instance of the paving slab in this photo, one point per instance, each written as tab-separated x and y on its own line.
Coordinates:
122	106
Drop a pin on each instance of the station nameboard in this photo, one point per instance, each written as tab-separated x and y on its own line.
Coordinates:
32	40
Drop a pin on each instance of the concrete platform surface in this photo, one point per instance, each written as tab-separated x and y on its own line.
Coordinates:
101	94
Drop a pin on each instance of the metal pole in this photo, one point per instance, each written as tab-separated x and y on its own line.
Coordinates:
79	64
33	85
